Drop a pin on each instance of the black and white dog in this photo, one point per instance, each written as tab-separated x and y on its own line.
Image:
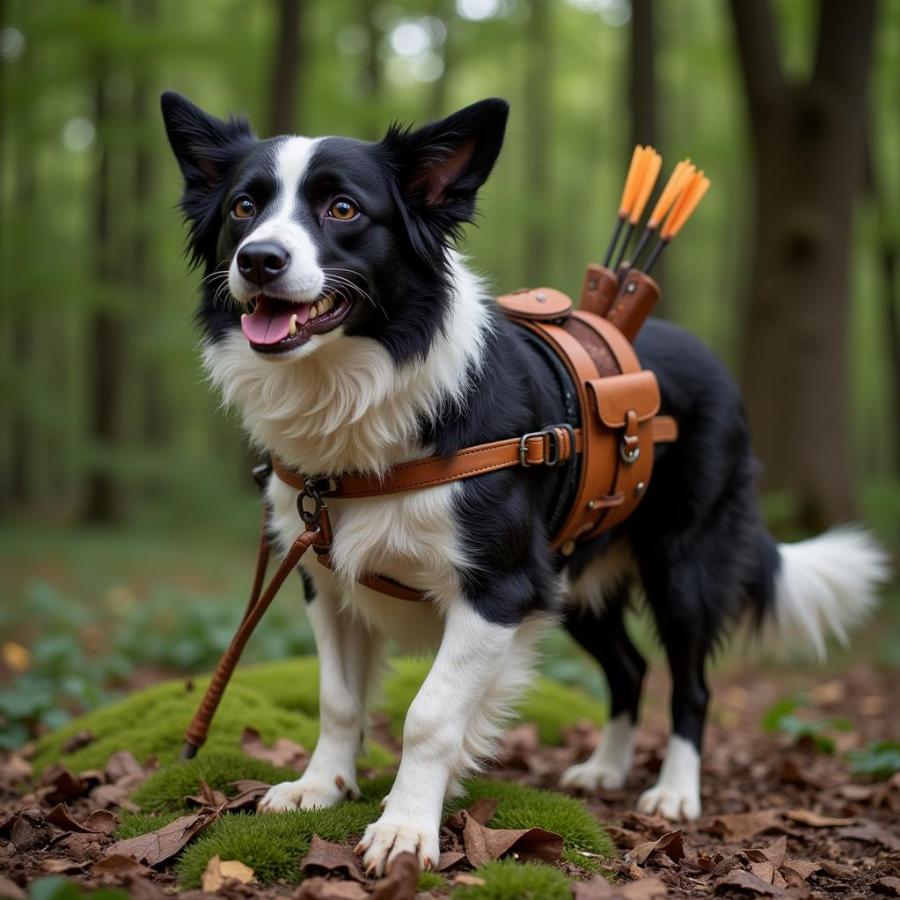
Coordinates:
350	335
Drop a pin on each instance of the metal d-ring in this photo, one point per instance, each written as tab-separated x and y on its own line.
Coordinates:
629	455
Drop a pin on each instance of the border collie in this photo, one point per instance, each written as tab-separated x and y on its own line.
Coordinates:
351	336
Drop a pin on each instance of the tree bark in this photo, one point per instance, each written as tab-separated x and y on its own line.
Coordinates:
808	156
103	501
538	126
285	113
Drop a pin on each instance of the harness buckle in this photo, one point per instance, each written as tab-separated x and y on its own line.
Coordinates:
309	501
554	448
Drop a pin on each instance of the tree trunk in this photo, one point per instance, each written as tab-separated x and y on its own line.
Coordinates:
538	126
808	143
284	116
643	93
103	502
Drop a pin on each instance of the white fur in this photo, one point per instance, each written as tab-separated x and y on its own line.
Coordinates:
304	279
607	767
599	578
676	794
827	584
453	719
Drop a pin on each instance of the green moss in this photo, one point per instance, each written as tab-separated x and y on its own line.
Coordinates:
519	806
291	684
273	845
167	788
431	881
134	824
511	880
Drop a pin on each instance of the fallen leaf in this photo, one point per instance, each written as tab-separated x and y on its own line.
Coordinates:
324	889
122	764
741	880
449	859
14	767
484	844
801	868
815	820
206	796
888	886
465	878
325	858
15	656
61	785
9	890
157	846
655	825
671	844
872	833
77	741
284	753
624	838
401	881
740	827
118	865
249	793
102	821
219	871
857	792
482	811
773	854
598	888
26	829
63	866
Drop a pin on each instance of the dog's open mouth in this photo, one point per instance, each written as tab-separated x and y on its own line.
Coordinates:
276	325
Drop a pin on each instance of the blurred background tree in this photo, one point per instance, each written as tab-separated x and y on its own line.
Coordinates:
126	509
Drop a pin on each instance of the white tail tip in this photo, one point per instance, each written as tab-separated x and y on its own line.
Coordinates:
828	584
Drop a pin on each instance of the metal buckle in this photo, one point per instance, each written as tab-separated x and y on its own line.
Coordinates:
554	454
313	489
629	455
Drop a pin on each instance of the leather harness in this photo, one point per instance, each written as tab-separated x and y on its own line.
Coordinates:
618	426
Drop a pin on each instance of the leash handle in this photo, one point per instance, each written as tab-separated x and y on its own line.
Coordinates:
259	602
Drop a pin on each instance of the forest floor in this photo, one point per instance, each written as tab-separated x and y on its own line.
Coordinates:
782	814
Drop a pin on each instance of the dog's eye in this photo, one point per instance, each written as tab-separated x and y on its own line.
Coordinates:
243	208
343	209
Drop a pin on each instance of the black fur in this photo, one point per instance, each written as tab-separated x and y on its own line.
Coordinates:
702	554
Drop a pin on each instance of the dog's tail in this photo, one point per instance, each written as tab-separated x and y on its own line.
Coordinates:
821	586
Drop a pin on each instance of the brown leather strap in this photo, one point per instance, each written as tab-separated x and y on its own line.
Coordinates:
665	429
549	447
259	602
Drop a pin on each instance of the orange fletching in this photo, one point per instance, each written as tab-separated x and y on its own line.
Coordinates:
680	176
649	174
638	159
685	205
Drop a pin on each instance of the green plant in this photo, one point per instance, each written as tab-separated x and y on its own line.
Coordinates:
55	887
880	759
507	879
782	717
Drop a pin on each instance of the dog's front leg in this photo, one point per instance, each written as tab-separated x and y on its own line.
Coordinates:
349	657
471	655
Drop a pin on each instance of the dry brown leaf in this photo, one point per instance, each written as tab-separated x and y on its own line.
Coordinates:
465	878
484	844
14	767
598	888
158	846
740	827
324	889
249	792
887	886
655	825
63	866
401	881
449	859
671	844
747	882
207	796
872	833
118	865
61	785
77	741
102	821
283	753
482	811
121	765
624	838
773	854
9	890
219	871
324	858
815	820
802	868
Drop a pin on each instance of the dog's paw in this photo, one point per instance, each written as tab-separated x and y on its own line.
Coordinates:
675	803
588	776
387	838
305	794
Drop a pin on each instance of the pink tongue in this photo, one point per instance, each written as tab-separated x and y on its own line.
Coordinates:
270	322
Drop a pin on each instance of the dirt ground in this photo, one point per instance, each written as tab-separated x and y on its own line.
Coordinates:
781	818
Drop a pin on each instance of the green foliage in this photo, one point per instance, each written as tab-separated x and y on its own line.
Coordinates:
431	881
507	879
782	717
519	806
880	759
273	845
55	887
166	789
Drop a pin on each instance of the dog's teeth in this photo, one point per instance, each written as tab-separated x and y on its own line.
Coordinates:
313	312
293	329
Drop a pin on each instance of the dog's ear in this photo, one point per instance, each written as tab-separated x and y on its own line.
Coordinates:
440	168
205	147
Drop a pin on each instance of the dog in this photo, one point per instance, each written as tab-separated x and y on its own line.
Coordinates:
340	321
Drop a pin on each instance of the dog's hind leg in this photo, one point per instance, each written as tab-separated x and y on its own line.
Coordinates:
675	595
604	636
437	740
349	659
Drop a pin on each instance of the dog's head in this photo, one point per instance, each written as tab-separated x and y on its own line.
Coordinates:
304	240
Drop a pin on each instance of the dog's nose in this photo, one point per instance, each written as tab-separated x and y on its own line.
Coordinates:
262	262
